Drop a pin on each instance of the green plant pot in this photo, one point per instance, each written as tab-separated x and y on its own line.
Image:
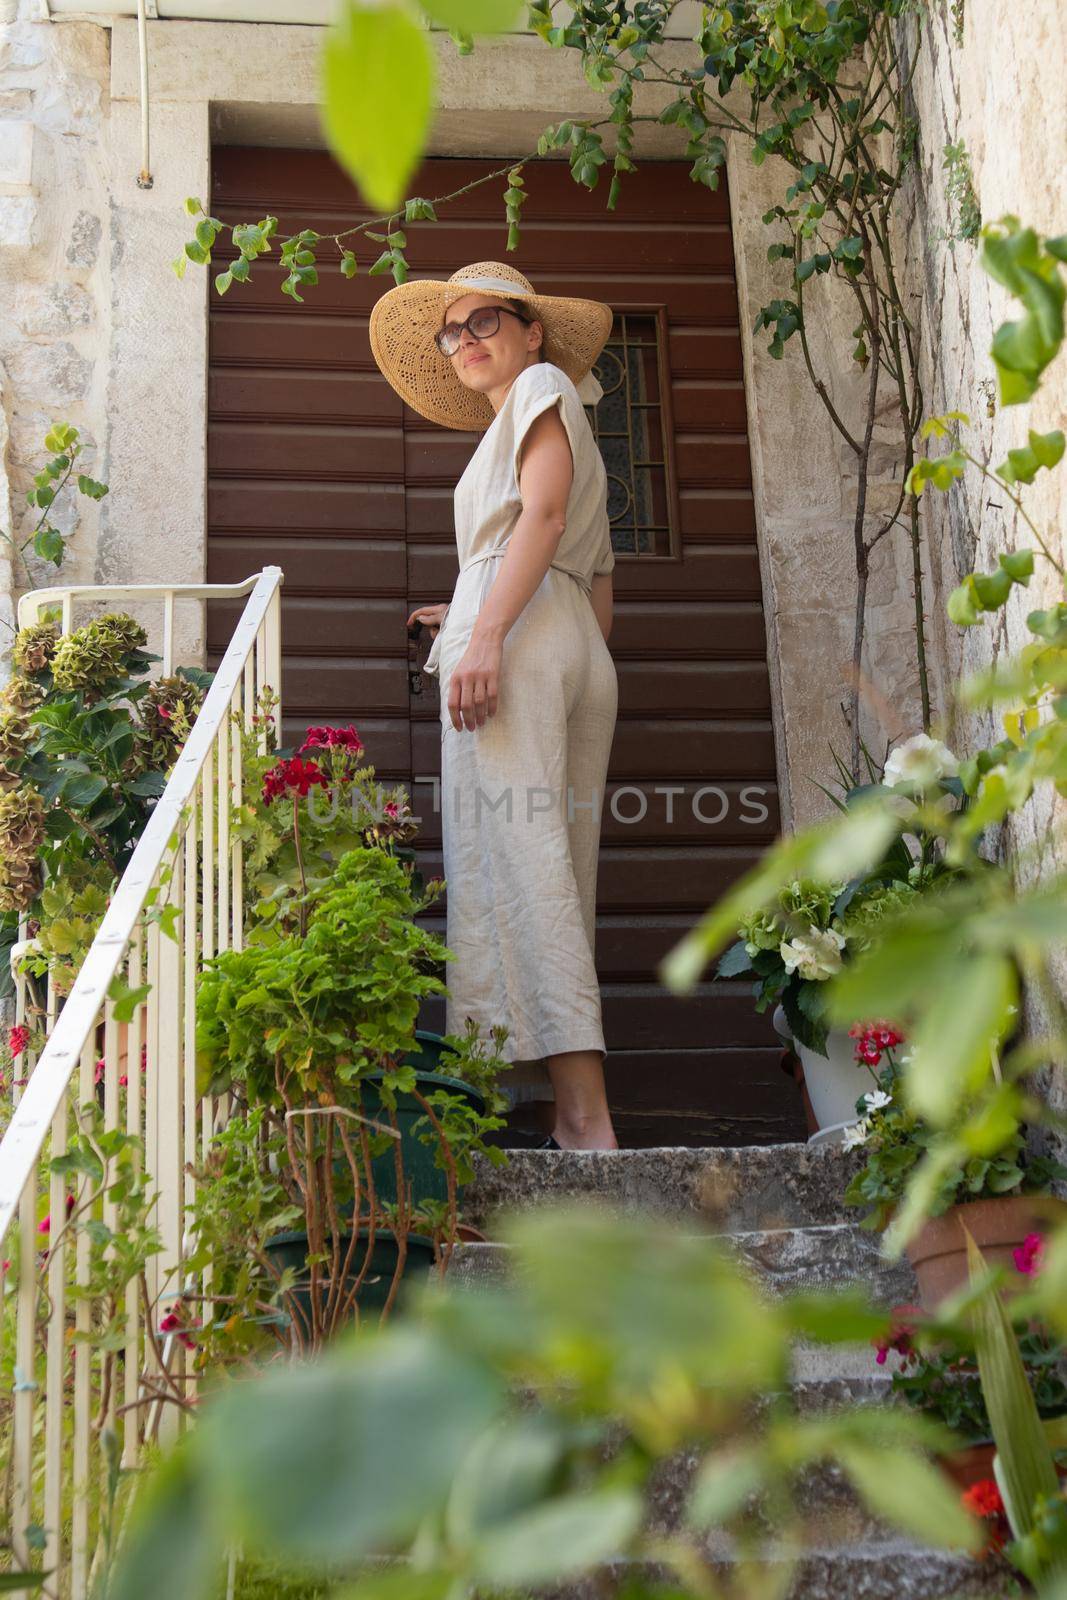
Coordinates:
289	1251
428	1181
429	1049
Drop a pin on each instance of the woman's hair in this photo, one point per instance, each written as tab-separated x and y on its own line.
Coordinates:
523	309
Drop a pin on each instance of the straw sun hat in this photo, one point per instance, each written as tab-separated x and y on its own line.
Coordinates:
405	319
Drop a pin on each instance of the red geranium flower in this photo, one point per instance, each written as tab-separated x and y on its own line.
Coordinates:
983	1500
873	1039
325	738
294	777
17	1040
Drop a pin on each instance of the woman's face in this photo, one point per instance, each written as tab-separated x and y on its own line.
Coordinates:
487	364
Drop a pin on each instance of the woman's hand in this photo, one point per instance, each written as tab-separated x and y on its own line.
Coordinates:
432	616
472	689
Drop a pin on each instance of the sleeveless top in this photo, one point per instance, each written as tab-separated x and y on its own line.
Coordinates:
487	501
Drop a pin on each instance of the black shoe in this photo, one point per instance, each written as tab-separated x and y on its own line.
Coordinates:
520	1139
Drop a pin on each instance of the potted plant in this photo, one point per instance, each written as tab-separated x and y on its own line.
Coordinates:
792	949
937	1374
790	952
297	1025
299	815
999	1197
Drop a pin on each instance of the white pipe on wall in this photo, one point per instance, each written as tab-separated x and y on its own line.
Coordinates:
316	13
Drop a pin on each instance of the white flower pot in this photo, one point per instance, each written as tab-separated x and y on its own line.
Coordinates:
834	1081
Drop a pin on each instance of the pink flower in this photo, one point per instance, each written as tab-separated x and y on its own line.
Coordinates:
101	1068
175	1323
45	1225
903	1321
1029	1256
18	1039
123	1081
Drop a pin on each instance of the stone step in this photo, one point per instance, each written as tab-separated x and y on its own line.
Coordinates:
732	1189
784	1260
876	1569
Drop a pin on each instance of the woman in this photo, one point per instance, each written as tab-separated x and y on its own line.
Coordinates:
528	686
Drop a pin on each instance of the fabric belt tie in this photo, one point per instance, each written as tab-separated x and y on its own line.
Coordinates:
499	550
431	664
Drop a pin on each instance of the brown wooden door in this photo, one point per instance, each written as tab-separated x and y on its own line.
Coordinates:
315	465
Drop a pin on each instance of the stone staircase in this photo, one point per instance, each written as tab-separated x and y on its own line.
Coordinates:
780	1209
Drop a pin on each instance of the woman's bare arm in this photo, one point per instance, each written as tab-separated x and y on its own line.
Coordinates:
545	475
546	472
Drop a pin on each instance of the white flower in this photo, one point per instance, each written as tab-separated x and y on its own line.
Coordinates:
815	954
877	1100
856	1135
921	761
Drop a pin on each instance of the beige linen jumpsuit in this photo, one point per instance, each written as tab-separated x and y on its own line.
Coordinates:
522	796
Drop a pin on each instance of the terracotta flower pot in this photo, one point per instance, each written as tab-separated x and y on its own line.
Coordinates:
968	1466
998	1226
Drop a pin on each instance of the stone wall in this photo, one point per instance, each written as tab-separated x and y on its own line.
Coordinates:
54	269
992	75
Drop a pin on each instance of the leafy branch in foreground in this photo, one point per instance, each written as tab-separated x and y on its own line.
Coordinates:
630	1343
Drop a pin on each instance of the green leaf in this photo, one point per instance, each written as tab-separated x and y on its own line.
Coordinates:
950	1049
473	16
372	1435
902	1486
377	81
848	844
507	1472
1019	563
48	544
126	1000
149	785
559	1538
723	1484
174	1547
1022	465
1024	1464
80	791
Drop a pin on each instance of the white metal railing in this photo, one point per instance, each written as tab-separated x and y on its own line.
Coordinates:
65	1391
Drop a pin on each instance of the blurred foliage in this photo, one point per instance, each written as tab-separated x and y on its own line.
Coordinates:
509	1437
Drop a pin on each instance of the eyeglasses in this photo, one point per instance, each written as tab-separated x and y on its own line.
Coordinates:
481	324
